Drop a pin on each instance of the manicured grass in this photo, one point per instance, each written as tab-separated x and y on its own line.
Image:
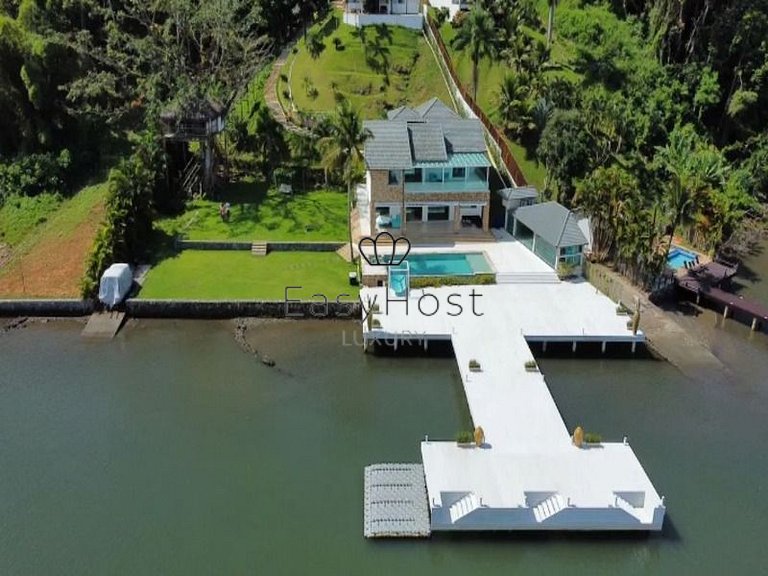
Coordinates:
413	72
20	215
201	275
261	214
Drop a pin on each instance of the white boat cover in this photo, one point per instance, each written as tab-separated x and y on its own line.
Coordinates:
115	284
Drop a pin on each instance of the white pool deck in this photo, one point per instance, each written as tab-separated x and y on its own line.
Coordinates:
528	476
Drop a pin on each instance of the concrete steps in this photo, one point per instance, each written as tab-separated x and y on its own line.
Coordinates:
527	278
549	507
259	249
462	507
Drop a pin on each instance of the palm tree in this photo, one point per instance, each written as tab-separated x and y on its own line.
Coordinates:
693	170
551	21
478	33
343	152
516	105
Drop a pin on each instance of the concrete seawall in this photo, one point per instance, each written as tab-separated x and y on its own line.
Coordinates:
223	309
15	308
201	309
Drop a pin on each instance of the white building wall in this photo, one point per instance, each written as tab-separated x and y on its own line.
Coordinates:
453	5
412	21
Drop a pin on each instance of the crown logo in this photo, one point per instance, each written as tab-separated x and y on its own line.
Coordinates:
388	245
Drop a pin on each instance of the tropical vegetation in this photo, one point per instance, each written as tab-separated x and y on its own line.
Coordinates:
648	115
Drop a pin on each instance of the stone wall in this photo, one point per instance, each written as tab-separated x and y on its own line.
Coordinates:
225	309
382	190
271	246
15	308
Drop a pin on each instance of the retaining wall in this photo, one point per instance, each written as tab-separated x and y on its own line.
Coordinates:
224	309
15	308
271	246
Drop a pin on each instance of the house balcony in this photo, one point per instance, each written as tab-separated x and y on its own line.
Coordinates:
448	187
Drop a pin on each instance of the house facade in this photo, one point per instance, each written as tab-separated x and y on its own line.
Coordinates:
427	169
453	6
405	13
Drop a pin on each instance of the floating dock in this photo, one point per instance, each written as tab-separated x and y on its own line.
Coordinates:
395	503
527	475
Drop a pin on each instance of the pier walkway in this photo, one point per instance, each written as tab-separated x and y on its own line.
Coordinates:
705	282
528	475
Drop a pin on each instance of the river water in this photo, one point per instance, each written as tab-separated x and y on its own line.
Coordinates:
172	451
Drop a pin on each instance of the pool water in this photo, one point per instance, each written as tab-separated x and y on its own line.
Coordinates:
448	264
678	258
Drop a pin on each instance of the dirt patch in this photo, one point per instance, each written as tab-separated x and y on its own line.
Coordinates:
54	267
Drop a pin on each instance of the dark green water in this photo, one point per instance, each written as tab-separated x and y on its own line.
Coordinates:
171	451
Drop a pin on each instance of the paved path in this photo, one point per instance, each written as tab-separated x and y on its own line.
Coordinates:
270	90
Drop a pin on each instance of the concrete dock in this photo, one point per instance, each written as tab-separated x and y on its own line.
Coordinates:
528	475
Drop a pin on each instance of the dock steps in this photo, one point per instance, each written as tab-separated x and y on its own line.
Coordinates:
466	505
259	249
549	507
527	278
395	502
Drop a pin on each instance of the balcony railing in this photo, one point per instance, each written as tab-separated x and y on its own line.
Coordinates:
448	186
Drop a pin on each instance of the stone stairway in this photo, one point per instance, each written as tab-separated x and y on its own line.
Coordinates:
462	507
259	249
549	507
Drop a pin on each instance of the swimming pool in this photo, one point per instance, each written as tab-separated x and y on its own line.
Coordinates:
449	264
678	257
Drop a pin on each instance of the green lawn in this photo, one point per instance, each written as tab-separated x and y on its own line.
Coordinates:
20	215
201	275
261	214
413	73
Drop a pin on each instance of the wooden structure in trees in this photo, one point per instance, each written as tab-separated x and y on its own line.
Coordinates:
197	121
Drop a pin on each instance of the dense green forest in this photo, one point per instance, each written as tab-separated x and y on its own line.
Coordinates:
650	115
83	83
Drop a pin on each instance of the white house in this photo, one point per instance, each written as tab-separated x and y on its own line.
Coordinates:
406	13
453	6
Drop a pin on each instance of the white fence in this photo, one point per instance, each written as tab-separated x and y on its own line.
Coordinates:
412	21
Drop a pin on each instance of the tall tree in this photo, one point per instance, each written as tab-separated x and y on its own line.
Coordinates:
343	152
146	55
693	169
478	35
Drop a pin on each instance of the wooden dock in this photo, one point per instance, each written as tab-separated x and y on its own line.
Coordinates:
706	283
395	502
103	325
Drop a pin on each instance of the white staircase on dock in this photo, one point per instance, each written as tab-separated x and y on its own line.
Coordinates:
462	507
259	248
527	278
549	507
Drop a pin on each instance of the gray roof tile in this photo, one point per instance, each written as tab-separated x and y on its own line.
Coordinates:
427	142
553	222
464	135
432	132
435	109
403	113
389	147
